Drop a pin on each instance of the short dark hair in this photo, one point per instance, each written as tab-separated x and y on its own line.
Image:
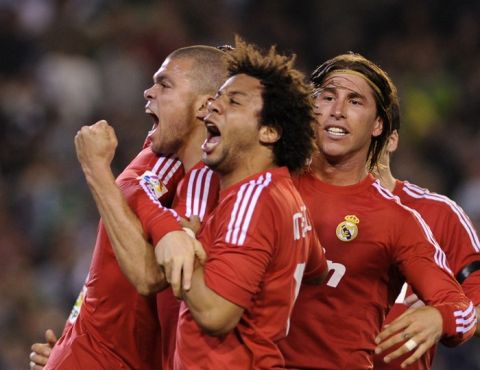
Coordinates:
209	67
385	93
287	100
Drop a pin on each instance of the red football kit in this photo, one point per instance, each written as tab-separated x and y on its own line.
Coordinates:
112	326
457	237
260	244
373	244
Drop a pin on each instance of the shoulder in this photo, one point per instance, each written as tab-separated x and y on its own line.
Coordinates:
423	200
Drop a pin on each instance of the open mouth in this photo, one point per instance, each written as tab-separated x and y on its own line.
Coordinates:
336	131
213	137
154	118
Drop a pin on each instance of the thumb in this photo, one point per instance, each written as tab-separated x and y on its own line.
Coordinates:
200	252
50	337
195	223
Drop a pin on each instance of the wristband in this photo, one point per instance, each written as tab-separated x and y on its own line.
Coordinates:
467	270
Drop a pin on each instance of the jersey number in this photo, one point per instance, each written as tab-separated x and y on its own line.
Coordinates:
338	272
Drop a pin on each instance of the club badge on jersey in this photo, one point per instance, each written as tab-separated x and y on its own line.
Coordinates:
77	306
152	185
348	230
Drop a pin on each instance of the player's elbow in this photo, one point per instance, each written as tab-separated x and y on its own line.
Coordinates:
148	286
214	324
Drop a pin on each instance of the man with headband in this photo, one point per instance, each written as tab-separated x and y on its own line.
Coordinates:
373	243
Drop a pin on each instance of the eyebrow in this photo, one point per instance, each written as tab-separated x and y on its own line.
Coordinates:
333	90
231	94
157	78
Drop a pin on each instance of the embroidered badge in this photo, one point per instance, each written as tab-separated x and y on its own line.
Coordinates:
152	185
77	306
348	230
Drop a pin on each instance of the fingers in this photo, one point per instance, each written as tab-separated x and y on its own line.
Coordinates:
34	366
175	253
418	346
50	337
42	349
395	326
391	341
38	360
418	330
419	352
200	253
194	224
181	274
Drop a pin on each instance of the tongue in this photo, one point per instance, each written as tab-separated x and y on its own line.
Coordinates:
210	144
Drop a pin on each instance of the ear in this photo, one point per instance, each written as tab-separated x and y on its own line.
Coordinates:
377	127
268	135
201	105
392	143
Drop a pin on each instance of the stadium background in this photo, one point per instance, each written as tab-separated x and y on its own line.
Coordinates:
66	63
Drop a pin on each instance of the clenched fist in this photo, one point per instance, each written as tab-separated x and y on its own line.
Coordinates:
95	146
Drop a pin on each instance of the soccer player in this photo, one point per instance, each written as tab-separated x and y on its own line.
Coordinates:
259	239
454	232
373	243
115	326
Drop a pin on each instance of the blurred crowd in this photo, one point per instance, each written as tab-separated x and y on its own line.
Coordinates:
68	63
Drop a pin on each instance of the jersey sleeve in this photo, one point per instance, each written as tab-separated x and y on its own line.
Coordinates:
241	250
424	266
317	262
460	242
149	196
197	194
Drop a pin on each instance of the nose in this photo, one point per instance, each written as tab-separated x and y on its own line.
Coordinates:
148	93
203	111
213	105
338	109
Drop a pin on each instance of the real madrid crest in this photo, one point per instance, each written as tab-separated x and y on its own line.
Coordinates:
348	230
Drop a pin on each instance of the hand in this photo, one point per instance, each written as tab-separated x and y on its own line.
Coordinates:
41	351
176	252
95	145
419	328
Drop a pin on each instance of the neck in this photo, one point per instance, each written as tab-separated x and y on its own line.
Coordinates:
339	172
191	152
247	166
383	173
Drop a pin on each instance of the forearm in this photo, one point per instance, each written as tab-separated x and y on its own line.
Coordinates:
134	254
214	314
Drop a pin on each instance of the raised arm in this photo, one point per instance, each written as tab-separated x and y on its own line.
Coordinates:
95	146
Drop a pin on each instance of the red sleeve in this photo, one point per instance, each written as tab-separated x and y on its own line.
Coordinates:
234	270
197	194
424	266
459	239
150	194
317	262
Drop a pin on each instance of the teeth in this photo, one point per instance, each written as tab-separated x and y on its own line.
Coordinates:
336	131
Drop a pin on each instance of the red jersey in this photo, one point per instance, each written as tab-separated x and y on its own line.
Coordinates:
113	326
258	241
372	244
197	195
457	237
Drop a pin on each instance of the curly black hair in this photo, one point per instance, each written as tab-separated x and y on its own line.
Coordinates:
386	97
287	100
